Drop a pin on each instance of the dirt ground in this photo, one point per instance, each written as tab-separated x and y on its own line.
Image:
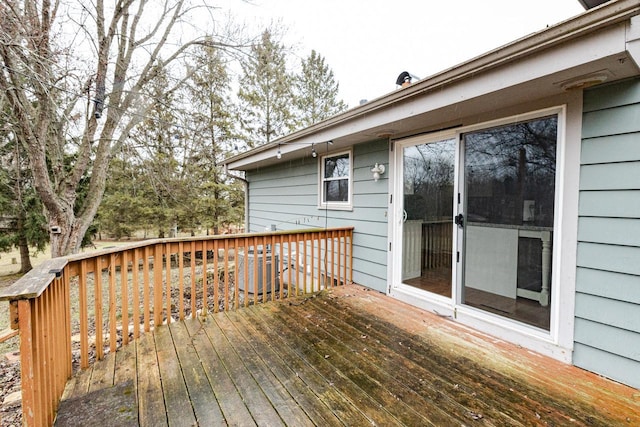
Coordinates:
10	409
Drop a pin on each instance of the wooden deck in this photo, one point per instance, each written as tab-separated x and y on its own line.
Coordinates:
347	356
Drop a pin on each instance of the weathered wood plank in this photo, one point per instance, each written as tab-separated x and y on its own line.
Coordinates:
378	386
102	376
101	399
375	369
445	363
280	399
261	409
344	406
78	385
203	400
531	389
105	407
7	334
231	403
152	410
174	389
337	356
443	391
311	403
125	368
35	281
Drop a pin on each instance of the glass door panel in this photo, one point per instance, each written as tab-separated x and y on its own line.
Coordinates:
427	233
509	189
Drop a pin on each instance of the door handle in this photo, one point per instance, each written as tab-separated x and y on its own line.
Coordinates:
459	220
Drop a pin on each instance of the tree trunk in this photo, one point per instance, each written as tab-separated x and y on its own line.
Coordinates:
65	234
23	244
25	258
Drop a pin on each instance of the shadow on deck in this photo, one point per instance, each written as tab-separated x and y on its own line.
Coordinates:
347	356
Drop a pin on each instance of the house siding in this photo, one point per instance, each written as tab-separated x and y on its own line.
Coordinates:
607	325
286	196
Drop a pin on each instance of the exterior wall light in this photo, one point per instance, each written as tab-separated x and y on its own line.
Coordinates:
314	154
278	153
377	170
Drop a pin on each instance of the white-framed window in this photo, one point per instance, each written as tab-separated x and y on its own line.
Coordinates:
335	180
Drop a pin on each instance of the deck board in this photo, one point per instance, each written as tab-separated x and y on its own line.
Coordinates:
151	405
205	406
361	361
226	395
279	398
347	356
253	395
301	392
343	407
377	402
174	389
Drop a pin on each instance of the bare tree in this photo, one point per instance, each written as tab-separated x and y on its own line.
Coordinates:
75	75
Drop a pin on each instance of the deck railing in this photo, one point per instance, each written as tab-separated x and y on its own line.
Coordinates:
72	311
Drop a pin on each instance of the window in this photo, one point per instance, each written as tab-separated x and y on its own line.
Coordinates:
335	184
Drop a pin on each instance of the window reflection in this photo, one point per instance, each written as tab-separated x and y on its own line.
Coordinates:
336	167
428	180
510	173
337	191
336	172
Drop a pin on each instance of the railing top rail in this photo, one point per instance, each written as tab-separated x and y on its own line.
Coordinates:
32	284
151	242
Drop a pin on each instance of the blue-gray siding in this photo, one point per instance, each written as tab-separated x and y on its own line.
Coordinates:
607	327
286	195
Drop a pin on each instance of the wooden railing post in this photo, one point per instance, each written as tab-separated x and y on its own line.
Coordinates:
27	369
157	285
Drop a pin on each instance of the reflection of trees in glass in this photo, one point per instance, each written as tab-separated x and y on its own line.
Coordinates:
336	175
428	180
507	165
336	167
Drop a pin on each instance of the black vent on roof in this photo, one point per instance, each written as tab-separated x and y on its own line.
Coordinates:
590	4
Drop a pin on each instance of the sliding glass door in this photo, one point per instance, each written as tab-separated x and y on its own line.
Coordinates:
428	188
488	194
509	194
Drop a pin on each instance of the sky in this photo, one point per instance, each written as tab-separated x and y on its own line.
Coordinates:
368	43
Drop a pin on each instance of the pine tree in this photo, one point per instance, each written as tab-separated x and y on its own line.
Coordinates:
22	223
265	93
211	121
316	91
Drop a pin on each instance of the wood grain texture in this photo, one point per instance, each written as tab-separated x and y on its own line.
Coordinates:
346	356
